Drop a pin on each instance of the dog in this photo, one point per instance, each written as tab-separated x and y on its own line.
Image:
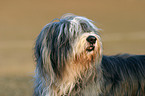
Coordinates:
70	62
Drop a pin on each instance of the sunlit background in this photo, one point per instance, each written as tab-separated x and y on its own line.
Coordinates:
122	23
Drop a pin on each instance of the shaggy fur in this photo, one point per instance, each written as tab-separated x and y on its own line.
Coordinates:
70	63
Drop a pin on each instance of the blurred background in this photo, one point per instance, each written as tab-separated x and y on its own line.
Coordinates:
122	23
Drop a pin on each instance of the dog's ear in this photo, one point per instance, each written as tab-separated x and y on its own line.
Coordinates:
52	47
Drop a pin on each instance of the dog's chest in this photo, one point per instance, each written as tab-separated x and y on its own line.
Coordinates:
92	89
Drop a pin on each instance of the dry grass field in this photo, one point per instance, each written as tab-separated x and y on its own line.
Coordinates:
122	23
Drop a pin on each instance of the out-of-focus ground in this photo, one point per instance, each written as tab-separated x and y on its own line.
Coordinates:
122	23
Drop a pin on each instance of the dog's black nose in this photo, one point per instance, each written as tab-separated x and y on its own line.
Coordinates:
91	39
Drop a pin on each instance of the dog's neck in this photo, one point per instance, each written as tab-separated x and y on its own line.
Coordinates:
75	79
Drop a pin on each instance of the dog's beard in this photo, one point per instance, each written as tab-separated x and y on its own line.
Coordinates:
84	56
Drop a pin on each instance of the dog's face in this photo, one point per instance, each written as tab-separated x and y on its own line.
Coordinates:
71	39
88	44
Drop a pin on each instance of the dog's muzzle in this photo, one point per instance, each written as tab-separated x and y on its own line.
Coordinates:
91	40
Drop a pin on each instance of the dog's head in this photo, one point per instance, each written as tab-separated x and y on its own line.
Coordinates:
72	38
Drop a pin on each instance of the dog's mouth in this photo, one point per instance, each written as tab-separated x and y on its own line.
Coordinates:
90	48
